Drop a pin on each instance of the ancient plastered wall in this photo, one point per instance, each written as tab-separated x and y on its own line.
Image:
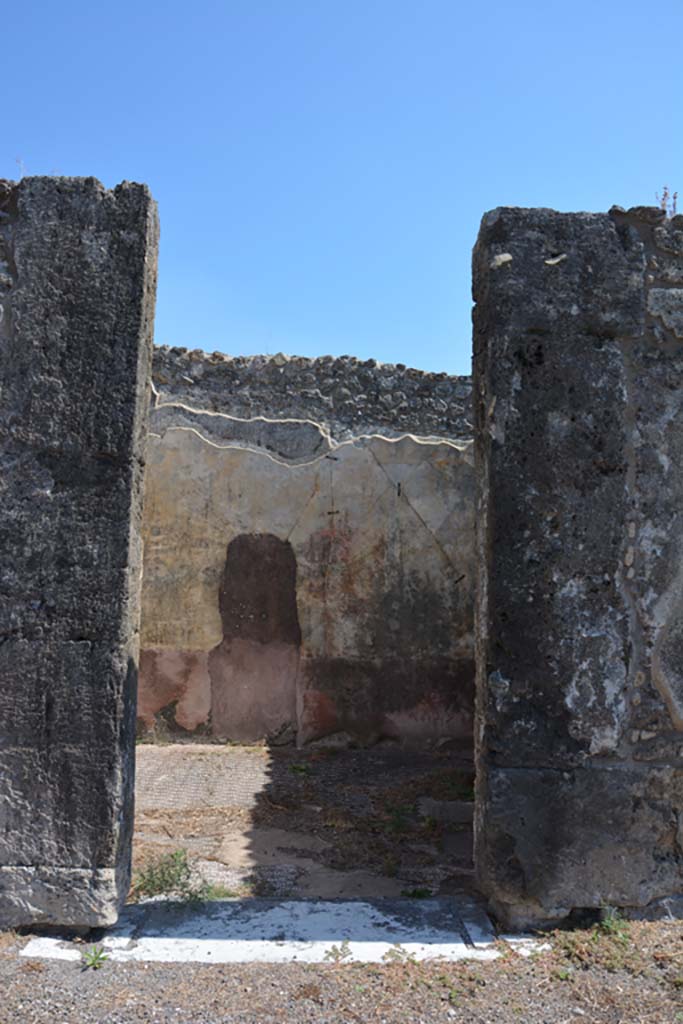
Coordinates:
578	399
346	396
296	588
77	283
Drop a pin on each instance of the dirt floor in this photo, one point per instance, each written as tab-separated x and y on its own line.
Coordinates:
323	823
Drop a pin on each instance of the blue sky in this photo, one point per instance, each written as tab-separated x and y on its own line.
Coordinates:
321	166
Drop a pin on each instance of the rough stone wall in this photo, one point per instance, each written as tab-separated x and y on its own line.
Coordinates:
77	282
296	587
578	396
346	396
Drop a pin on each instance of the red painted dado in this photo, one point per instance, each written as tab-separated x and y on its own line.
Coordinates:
177	680
253	690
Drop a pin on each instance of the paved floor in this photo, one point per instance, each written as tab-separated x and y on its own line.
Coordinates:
319	855
316	824
200	776
271	931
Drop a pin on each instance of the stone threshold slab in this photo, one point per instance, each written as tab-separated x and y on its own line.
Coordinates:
288	931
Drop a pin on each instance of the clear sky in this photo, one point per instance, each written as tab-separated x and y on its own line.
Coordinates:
321	166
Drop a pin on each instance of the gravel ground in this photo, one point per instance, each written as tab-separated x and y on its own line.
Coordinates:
360	809
631	976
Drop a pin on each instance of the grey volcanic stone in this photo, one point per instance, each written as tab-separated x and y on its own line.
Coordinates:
77	288
344	395
577	392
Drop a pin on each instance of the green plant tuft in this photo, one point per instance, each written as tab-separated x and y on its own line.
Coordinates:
171	875
94	958
338	953
417	894
612	923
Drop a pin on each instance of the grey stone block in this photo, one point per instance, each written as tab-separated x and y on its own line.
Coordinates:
453	812
77	288
582	838
577	388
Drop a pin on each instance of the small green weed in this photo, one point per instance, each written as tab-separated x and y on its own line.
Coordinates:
301	769
170	875
417	894
612	924
398	817
452	992
337	954
218	892
608	944
94	958
398	955
339	821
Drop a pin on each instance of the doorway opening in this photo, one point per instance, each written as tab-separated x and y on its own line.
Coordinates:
307	674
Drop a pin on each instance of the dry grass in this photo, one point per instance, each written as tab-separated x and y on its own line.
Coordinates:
8	940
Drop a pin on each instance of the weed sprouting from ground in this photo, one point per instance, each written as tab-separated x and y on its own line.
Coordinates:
613	924
168	875
337	954
171	875
398	955
94	958
668	201
607	944
399	817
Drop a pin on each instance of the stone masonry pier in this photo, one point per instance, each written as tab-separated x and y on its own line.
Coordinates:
578	391
77	287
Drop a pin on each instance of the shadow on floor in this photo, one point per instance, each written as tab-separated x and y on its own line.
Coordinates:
326	824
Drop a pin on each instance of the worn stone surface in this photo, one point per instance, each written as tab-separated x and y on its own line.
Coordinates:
346	396
584	837
291	931
295	596
578	372
77	283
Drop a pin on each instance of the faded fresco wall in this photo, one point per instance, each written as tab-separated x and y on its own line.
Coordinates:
296	587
